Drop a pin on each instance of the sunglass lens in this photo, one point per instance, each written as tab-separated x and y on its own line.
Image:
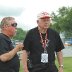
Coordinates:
14	24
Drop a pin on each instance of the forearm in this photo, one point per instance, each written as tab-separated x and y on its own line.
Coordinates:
24	60
8	56
60	61
60	58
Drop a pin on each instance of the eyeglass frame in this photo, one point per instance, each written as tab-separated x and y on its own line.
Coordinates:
14	24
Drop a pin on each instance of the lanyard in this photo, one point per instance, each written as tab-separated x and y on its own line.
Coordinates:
44	42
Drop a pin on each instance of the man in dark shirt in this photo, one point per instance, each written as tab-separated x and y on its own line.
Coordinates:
9	61
41	43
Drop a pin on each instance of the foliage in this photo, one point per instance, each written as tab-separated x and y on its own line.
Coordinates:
20	34
63	20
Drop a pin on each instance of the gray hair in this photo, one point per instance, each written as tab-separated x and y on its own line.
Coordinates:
5	21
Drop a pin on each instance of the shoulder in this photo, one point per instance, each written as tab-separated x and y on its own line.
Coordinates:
1	36
52	31
4	37
31	31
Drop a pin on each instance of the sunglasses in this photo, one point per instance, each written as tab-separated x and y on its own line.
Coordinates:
14	24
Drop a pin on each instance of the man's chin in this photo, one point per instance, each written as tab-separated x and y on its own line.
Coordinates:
13	35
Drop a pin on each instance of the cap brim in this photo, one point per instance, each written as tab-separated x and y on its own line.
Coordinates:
45	17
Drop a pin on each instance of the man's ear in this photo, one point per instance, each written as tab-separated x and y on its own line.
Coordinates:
4	26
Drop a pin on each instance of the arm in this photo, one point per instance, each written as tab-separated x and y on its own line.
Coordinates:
8	56
24	61
60	60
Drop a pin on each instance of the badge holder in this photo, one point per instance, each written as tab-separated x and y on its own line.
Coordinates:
44	56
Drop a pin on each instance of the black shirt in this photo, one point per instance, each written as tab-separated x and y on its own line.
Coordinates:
33	44
6	46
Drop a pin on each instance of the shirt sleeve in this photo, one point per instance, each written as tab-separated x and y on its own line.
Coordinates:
27	42
59	44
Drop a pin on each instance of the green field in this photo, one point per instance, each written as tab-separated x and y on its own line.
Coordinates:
67	64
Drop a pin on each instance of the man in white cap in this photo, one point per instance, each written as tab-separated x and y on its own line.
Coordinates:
41	43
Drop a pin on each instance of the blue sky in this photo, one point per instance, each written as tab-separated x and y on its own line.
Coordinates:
25	11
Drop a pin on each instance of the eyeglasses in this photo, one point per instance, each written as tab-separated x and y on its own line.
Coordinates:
14	24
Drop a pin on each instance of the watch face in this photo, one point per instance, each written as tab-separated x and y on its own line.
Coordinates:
61	66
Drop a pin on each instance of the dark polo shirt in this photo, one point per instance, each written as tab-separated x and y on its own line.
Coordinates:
6	46
32	43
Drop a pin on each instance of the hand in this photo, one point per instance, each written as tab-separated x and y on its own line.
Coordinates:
60	69
19	46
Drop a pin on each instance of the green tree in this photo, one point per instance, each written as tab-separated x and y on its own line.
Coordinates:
20	34
62	22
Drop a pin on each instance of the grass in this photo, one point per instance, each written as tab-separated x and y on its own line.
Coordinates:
67	64
21	68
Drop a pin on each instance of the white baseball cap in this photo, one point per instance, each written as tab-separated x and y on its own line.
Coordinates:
43	15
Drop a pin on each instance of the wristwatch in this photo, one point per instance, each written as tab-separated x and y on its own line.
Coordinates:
61	66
